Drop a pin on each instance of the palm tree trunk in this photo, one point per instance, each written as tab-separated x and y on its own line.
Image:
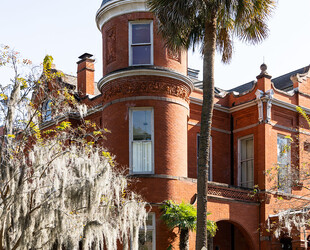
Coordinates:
205	132
184	239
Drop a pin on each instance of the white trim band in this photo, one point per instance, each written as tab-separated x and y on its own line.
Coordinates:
118	7
145	72
138	98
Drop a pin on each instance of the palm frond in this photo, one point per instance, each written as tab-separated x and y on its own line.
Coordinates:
182	23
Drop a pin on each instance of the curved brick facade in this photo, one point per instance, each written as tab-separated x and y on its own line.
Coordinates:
170	134
115	45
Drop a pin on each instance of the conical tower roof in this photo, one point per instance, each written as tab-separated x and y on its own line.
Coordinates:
104	2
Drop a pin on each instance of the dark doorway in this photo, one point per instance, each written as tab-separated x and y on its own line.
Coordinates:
230	237
286	243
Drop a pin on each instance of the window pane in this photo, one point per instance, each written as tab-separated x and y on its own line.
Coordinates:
247	163
249	149
250	173
149	220
47	111
137	156
243	173
142	156
243	149
141	33
142	127
284	161
141	54
146	240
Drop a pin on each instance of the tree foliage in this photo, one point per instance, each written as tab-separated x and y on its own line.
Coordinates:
58	187
184	217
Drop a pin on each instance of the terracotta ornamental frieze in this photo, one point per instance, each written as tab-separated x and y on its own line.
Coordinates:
111	45
130	87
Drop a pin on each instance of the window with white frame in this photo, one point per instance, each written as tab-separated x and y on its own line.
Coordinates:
141	140
210	157
284	163
246	162
147	239
141	43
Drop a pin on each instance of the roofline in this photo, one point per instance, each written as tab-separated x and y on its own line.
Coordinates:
118	7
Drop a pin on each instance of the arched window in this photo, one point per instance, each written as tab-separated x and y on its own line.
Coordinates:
47	111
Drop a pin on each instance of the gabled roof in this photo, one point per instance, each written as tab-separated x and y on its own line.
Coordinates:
71	82
283	82
242	88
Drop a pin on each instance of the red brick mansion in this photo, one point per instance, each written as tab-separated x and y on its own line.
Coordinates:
151	103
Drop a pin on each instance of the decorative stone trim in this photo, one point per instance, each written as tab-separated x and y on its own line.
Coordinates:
244	128
269	96
232	193
300	77
132	87
110	45
259	94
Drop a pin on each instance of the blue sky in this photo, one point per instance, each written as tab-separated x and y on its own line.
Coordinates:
66	29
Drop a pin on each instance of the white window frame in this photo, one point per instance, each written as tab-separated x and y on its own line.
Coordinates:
131	139
130	41
210	157
239	157
149	228
289	189
152	228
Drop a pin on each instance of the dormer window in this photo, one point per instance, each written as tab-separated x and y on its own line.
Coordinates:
141	43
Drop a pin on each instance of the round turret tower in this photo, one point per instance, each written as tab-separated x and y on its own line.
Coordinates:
145	98
141	77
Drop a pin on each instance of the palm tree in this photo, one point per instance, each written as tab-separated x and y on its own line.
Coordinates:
213	24
183	216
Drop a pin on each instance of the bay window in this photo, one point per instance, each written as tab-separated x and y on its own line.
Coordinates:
141	43
141	141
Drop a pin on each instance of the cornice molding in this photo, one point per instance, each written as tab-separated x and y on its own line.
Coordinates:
212	128
219	107
118	7
146	72
288	106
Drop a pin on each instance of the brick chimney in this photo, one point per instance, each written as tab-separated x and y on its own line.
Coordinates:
85	75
